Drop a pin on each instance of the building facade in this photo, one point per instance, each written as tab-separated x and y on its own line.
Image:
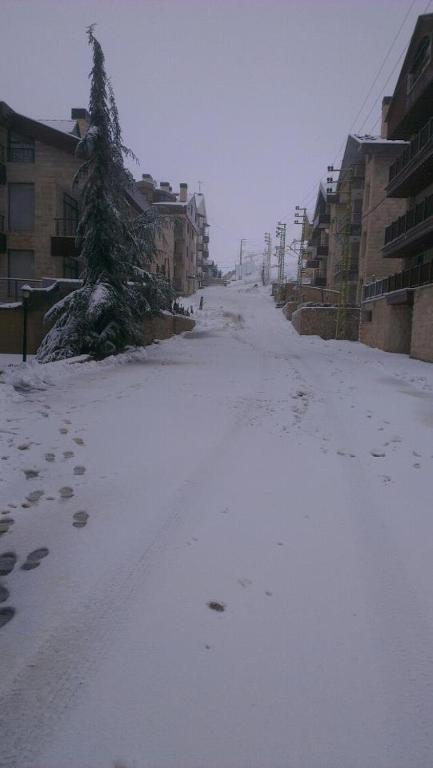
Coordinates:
398	309
38	202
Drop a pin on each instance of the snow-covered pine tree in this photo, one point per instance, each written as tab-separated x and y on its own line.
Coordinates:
105	314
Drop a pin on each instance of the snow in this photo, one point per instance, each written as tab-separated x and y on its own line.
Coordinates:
288	478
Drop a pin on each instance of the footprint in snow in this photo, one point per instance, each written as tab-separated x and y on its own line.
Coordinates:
214	605
50	457
34	559
79	470
6	614
68	454
244	582
378	454
34	496
7	563
78	440
80	519
31	473
5	524
66	492
24	446
63	431
4	593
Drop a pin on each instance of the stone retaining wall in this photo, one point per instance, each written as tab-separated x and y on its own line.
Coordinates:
321	321
156	327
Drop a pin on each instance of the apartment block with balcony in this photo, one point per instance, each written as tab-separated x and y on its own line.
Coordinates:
345	200
316	234
38	204
399	306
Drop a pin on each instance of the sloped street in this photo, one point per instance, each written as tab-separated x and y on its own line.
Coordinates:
227	541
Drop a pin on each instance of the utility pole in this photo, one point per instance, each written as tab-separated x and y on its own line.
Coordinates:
267	258
300	218
281	235
345	266
241	253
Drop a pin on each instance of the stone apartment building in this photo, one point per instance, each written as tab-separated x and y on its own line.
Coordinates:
38	205
342	268
398	308
185	233
317	236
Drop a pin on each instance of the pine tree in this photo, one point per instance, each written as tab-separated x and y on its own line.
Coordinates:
106	313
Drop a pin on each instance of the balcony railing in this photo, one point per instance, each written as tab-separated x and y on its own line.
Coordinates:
408	278
312	264
10	287
66	227
422	138
403	224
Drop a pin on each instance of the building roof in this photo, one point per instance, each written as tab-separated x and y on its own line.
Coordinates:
66	126
37	129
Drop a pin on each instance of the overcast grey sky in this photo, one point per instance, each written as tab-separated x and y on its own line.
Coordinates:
253	98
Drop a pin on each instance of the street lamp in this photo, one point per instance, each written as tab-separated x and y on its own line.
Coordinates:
25	292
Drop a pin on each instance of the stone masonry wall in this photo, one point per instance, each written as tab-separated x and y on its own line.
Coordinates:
11	322
386	326
321	321
422	324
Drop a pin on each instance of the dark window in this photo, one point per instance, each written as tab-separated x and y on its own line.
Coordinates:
21	149
21	264
21	207
70	217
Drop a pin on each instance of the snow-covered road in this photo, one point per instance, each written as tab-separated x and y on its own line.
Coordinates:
288	479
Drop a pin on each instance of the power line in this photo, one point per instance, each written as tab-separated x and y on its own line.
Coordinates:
385	59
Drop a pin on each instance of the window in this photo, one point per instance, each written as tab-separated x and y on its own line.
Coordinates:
420	61
21	149
21	264
21	207
70	217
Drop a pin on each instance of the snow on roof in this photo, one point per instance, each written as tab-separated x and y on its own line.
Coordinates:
369	139
65	126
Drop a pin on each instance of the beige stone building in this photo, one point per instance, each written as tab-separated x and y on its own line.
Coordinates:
38	204
185	221
397	309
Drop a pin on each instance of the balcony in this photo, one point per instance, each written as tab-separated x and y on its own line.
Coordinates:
312	264
321	251
413	169
319	282
322	220
3	238
410	233
63	242
408	278
2	165
205	238
10	287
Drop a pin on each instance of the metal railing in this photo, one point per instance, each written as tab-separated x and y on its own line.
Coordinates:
66	227
408	278
10	287
414	216
422	138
